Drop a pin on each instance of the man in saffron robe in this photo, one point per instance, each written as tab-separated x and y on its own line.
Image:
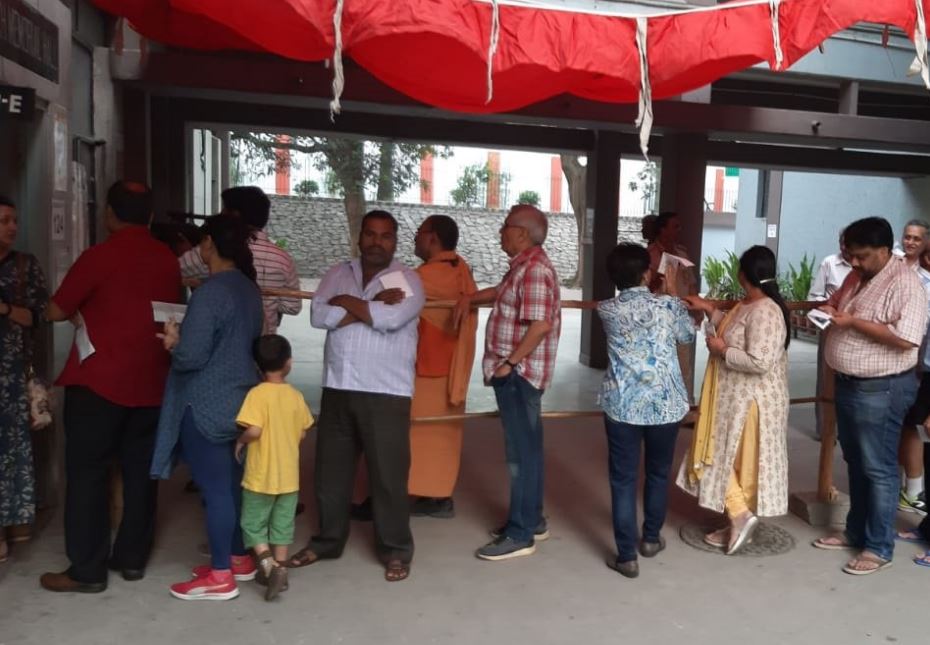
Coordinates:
444	361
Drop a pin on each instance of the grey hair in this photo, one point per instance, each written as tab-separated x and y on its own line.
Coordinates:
533	220
921	223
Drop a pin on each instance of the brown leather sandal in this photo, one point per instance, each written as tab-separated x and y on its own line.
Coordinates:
395	571
303	558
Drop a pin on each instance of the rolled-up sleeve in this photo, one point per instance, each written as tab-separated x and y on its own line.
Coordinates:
192	266
392	317
322	314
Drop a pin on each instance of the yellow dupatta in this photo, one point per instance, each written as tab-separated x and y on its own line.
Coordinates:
702	442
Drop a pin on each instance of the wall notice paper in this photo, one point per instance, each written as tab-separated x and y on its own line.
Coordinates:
85	348
396	280
677	261
165	311
820	318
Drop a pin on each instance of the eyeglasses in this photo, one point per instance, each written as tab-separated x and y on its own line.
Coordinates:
506	226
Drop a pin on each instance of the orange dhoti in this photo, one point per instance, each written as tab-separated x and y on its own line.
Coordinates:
435	448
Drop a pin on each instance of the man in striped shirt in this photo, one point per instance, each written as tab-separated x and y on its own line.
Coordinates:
274	265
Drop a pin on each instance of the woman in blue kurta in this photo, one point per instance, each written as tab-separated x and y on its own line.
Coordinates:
23	297
643	397
212	370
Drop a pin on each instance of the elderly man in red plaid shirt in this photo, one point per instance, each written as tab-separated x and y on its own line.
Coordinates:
519	359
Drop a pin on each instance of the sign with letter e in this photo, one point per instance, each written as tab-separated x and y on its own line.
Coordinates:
17	103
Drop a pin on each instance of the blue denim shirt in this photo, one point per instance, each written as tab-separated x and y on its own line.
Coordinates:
212	368
643	384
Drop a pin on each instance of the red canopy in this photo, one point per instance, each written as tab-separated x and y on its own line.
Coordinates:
436	51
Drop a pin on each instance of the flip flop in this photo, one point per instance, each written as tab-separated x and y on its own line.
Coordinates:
913	537
923	560
395	571
841	545
866	556
303	558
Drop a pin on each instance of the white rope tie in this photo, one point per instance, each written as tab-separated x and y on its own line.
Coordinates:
776	33
339	81
920	64
645	118
492	46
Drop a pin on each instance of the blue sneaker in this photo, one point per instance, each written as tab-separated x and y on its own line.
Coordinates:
504	548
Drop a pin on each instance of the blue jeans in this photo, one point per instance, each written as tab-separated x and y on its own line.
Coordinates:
219	477
869	413
623	443
520	406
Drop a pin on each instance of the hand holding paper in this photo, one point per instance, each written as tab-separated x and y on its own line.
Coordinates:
821	319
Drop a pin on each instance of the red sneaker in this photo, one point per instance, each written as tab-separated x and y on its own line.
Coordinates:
212	586
243	568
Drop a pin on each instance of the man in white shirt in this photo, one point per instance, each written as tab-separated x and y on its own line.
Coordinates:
830	276
274	265
912	498
370	308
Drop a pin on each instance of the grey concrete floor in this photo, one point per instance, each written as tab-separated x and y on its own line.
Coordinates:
562	594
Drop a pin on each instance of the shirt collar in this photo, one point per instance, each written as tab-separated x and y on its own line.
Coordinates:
260	234
356	265
129	231
525	255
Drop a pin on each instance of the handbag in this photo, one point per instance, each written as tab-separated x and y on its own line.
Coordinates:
40	402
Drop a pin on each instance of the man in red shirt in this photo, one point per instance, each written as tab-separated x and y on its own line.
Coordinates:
519	358
113	391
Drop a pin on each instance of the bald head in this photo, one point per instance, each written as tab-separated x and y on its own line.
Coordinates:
532	219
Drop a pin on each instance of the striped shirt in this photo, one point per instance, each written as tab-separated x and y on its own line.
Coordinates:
275	268
893	297
529	292
379	358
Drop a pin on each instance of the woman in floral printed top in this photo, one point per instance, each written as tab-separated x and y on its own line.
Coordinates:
22	300
643	397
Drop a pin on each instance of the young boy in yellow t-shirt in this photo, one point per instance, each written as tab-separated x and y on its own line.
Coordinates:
275	418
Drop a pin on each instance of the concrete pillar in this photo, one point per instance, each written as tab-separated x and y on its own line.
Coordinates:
282	171
718	190
684	168
599	239
555	184
426	179
494	180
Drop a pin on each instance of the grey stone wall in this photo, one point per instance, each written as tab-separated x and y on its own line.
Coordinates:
317	234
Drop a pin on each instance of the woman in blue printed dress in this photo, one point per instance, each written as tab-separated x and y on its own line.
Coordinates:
643	397
23	297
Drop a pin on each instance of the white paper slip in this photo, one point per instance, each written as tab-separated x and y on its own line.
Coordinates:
821	319
396	280
922	433
85	348
674	260
165	311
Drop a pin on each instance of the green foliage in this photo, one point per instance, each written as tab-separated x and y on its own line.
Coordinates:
722	277
647	184
471	188
530	197
795	284
307	188
281	244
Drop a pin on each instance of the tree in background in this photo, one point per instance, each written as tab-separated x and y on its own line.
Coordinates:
471	188
388	168
530	197
647	184
307	188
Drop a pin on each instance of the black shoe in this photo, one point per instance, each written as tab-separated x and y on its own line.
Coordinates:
361	512
651	549
628	569
130	575
440	507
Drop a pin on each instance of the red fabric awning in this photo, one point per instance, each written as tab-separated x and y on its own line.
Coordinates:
436	51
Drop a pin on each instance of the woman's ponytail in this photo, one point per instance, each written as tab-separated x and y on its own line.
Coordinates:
231	238
758	266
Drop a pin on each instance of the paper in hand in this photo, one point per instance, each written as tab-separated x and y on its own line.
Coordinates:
85	348
396	280
668	259
165	311
821	319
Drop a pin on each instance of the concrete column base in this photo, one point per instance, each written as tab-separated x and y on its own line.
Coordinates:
816	513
